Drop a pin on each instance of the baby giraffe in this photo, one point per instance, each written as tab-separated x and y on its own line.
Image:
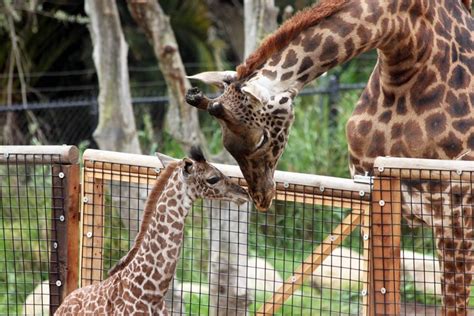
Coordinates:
138	283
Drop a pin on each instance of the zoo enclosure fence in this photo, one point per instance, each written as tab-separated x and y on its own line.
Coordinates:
288	260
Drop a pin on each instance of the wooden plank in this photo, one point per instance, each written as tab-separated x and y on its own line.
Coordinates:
58	233
332	186
72	174
92	230
40	154
424	169
317	200
311	263
385	247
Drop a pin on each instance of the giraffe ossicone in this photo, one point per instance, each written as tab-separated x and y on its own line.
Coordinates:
138	284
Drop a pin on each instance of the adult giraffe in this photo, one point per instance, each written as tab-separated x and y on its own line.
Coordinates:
419	101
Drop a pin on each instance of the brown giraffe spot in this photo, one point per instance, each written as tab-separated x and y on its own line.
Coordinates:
338	25
412	134
451	145
290	59
149	286
355	141
401	106
310	42
458	106
363	33
425	94
170	193
376	147
364	127
303	78
269	74
435	124
306	63
161	208
385	117
459	78
355	10
286	75
275	59
177	226
330	49
375	12
463	125
396	131
283	100
463	38
470	141
349	47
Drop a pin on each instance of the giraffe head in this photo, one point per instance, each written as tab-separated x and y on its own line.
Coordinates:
255	122
203	180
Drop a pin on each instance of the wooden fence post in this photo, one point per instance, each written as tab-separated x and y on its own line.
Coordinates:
384	266
92	229
64	263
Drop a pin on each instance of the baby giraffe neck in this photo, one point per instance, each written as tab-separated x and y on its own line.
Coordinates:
153	267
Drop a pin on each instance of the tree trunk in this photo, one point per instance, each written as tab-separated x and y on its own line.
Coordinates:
260	19
116	129
181	119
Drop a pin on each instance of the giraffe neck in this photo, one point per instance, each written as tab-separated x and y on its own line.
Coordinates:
390	26
154	265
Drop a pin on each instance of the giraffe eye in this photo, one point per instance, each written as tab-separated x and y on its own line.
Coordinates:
213	180
262	141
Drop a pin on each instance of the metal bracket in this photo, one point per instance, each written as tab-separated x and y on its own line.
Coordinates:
363	179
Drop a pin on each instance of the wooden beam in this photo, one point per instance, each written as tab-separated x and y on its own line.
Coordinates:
312	262
384	269
92	229
424	169
72	174
40	154
304	183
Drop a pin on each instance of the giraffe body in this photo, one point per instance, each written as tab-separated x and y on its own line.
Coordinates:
419	102
138	286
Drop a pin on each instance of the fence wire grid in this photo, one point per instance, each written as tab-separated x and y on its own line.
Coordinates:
235	259
31	206
435	237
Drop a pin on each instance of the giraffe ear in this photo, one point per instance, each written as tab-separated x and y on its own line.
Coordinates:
257	91
188	166
216	78
164	159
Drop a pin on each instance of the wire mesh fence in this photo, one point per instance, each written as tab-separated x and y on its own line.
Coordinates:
435	234
304	256
37	214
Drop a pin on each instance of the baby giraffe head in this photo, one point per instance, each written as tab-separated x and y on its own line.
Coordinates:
203	180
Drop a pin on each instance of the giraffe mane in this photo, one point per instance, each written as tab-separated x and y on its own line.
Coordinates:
287	32
150	207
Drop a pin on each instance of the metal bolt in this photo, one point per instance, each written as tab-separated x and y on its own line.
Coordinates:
381	202
55	245
61	218
85	199
158	170
58	283
286	185
293	279
61	175
361	193
332	238
364	292
381	169
5	155
383	290
366	237
89	234
459	172
321	188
